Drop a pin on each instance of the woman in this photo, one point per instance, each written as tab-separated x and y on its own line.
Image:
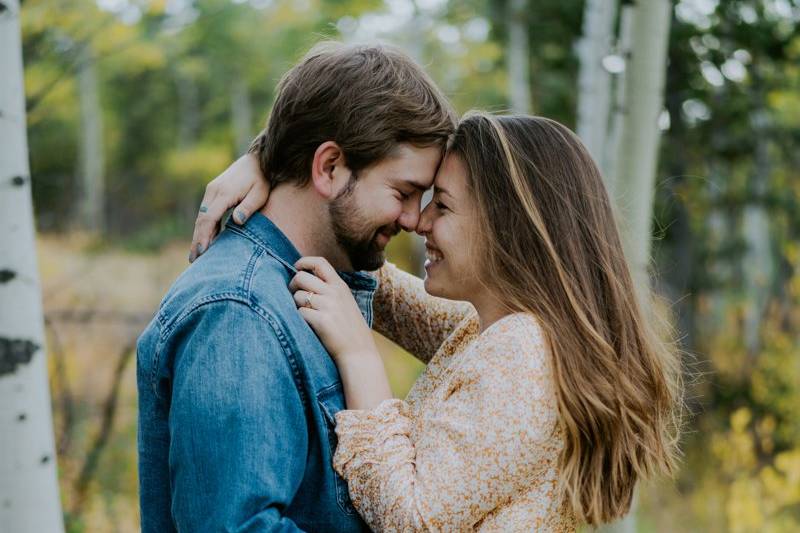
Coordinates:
545	400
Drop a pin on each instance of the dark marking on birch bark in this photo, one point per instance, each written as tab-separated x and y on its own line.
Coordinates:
45	459
7	275
18	181
22	417
15	352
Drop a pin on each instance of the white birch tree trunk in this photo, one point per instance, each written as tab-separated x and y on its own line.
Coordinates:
608	161
241	114
518	57
29	499
594	80
638	148
91	160
758	265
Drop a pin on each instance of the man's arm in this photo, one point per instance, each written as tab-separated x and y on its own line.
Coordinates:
237	425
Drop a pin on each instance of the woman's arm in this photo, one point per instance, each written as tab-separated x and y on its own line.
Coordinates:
411	317
471	453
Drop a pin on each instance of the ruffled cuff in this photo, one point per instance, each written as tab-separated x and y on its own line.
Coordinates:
371	437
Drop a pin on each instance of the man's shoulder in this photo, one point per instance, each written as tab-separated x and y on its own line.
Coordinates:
234	271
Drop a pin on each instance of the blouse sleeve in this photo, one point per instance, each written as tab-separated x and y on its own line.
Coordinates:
412	318
479	449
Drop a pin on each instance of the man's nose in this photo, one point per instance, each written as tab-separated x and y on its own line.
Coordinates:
409	218
424	221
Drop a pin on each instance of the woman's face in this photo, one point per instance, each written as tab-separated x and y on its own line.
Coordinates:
449	224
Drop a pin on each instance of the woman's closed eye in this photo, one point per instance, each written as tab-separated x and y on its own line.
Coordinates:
440	205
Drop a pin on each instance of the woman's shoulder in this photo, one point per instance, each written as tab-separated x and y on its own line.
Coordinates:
521	330
516	340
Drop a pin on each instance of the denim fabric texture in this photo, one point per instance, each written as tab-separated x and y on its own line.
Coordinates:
237	397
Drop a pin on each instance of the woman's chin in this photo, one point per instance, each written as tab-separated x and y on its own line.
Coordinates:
433	285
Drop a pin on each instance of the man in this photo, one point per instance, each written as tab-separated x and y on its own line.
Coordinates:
236	393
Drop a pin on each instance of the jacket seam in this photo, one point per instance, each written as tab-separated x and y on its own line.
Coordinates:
234	296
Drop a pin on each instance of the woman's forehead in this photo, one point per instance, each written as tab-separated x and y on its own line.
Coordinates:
452	173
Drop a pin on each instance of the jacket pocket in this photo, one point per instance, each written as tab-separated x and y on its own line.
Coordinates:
331	401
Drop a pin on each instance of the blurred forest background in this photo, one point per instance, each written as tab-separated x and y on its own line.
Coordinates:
134	105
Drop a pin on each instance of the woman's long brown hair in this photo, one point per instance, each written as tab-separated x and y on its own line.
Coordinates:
552	248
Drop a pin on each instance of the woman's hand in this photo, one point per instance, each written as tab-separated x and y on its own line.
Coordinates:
241	186
326	303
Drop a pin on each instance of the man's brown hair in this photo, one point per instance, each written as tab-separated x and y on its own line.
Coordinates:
366	98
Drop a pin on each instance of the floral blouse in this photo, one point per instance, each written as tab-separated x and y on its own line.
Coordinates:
475	444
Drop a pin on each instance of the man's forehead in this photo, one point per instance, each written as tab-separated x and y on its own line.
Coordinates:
422	183
416	166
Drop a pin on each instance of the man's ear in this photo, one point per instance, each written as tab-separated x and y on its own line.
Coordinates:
326	167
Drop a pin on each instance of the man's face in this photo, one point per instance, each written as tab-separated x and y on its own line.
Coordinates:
383	199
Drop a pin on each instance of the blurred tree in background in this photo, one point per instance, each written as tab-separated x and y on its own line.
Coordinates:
133	105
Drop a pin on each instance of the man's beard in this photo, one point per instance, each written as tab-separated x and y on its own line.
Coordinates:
353	231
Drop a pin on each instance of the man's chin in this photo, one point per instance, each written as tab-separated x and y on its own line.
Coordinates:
369	263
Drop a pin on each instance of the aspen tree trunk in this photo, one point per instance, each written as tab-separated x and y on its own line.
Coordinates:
608	161
518	57
758	266
594	81
29	499
188	109
241	114
91	164
638	148
637	151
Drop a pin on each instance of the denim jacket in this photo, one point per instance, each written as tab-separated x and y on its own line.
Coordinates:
237	397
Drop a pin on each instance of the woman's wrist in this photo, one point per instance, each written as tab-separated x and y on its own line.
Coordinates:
364	379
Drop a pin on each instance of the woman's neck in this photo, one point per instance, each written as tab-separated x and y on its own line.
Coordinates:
490	309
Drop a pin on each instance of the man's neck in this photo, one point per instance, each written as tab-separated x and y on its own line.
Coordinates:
304	221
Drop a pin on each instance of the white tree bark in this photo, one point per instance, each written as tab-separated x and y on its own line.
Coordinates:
608	161
29	499
648	25
518	57
758	265
91	160
638	148
241	114
594	80
188	109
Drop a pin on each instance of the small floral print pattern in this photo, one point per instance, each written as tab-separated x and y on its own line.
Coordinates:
475	445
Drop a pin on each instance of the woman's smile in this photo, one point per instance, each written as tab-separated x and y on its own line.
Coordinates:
433	255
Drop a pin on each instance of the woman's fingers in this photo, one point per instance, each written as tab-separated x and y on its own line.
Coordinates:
242	186
252	202
308	282
305	299
206	226
312	316
199	228
319	266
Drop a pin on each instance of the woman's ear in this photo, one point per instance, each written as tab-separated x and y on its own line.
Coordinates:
327	158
